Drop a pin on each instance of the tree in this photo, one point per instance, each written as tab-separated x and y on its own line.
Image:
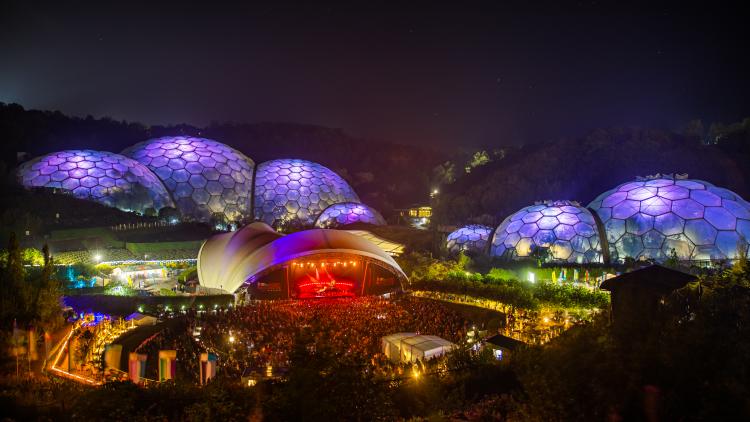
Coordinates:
15	291
48	305
673	261
479	158
168	214
85	342
32	256
694	131
741	265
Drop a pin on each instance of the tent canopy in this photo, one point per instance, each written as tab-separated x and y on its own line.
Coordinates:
409	347
228	260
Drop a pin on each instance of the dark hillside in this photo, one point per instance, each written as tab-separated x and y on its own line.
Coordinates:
581	169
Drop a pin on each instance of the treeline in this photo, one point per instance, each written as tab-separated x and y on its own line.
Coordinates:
385	175
501	182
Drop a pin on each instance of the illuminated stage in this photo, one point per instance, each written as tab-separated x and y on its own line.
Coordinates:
310	264
324	279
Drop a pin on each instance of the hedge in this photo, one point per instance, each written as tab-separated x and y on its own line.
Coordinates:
126	305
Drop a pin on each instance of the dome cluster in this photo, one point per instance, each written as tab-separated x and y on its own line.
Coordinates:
649	219
297	191
348	213
565	229
110	179
203	179
471	239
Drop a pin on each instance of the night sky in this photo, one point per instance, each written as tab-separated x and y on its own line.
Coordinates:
460	74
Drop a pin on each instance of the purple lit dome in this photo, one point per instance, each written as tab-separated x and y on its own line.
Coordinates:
471	239
342	214
110	179
205	178
647	219
564	229
295	192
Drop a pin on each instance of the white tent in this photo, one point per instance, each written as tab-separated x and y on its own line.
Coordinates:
137	318
408	347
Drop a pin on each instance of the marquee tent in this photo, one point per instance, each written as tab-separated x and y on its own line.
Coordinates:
408	347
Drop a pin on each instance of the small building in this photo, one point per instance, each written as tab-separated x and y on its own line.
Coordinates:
138	319
502	346
417	216
410	347
637	295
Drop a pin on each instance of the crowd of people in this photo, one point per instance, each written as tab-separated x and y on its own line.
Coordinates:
262	334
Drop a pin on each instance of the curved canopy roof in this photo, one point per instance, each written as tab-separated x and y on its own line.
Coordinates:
227	260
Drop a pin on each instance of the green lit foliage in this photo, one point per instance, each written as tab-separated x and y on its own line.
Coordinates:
32	256
444	174
499	284
29	295
479	159
119	289
166	292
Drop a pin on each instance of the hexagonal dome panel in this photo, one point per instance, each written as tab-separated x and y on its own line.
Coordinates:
567	230
692	217
295	192
110	179
338	215
205	177
470	239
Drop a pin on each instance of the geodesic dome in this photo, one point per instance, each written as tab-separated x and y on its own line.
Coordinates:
110	179
471	239
291	191
205	177
646	219
566	229
342	214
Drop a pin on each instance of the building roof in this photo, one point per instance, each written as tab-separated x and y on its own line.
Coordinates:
504	342
228	260
389	246
656	277
418	341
